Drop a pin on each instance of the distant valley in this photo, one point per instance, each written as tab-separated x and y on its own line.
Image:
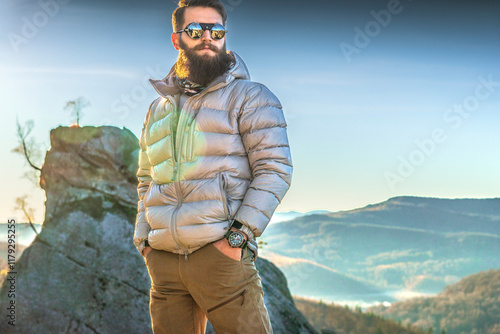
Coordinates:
400	248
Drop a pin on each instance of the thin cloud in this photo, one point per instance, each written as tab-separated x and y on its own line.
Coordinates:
70	71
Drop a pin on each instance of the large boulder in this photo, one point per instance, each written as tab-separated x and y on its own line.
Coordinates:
82	273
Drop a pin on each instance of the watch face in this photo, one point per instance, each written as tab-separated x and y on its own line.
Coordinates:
236	239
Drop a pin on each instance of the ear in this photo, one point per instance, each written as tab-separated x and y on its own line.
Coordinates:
175	40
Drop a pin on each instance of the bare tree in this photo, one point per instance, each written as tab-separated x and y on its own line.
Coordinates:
29	149
26	145
75	107
28	212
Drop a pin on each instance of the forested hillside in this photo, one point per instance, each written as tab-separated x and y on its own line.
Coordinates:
330	318
470	306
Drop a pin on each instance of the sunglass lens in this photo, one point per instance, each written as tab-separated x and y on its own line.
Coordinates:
218	32
194	30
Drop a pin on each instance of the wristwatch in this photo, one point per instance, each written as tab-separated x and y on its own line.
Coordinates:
236	239
146	243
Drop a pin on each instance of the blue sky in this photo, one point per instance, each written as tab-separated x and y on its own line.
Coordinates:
407	113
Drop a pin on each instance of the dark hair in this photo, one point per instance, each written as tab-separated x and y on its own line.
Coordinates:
178	15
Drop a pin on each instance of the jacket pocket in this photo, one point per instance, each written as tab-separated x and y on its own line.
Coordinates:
222	186
226	257
227	301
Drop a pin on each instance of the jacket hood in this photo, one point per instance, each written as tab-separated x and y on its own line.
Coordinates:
168	85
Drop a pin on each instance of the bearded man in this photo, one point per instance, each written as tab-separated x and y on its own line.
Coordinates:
213	166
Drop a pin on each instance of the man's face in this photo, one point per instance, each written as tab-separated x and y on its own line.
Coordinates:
201	60
205	46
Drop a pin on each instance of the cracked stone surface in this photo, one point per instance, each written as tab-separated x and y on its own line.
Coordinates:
82	273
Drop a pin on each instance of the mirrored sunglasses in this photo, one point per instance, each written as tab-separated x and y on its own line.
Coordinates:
195	30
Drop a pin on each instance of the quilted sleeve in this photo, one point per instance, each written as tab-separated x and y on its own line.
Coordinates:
142	227
262	127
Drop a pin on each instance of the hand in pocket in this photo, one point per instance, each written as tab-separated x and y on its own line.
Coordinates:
223	246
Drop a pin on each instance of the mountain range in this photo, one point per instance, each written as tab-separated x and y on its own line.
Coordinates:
400	248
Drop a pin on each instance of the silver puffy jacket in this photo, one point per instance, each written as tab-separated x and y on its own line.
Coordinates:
224	156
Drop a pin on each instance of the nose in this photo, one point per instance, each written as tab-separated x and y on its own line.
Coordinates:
206	35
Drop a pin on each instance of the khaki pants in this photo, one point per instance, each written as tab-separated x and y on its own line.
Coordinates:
209	284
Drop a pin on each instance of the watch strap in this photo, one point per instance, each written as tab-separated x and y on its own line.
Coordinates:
243	228
237	224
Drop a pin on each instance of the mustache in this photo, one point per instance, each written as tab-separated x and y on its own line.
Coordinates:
210	46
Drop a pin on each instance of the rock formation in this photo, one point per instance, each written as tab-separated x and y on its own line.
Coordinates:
82	274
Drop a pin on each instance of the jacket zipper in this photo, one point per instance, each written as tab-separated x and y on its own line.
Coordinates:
173	227
242	294
189	150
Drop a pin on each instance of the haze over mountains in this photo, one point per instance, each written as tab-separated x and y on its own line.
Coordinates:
403	247
470	306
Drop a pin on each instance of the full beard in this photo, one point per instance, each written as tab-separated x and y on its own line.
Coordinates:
202	69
